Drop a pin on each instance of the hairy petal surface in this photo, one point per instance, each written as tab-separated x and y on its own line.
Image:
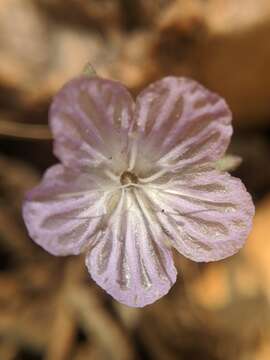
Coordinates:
90	119
181	123
66	210
206	215
128	258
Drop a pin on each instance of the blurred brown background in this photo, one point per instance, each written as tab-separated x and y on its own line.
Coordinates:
49	307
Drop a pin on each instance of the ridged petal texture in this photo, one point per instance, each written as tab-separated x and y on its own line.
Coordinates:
135	181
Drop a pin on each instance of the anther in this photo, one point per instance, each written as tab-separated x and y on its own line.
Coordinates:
128	177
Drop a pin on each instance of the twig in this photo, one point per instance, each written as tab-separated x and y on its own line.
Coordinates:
99	324
24	131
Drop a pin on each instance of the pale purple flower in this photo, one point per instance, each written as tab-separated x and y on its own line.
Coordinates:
136	180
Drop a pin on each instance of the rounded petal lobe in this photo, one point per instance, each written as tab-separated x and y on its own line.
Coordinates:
62	214
181	123
90	119
206	216
127	261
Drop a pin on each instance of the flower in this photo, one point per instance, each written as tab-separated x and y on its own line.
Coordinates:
135	181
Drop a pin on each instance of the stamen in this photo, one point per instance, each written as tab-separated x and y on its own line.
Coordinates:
69	195
153	177
84	192
88	192
111	175
184	194
146	211
133	155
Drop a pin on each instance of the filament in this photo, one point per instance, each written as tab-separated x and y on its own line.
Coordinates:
153	177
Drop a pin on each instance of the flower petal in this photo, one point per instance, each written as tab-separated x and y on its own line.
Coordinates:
90	119
62	214
127	260
181	123
206	215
